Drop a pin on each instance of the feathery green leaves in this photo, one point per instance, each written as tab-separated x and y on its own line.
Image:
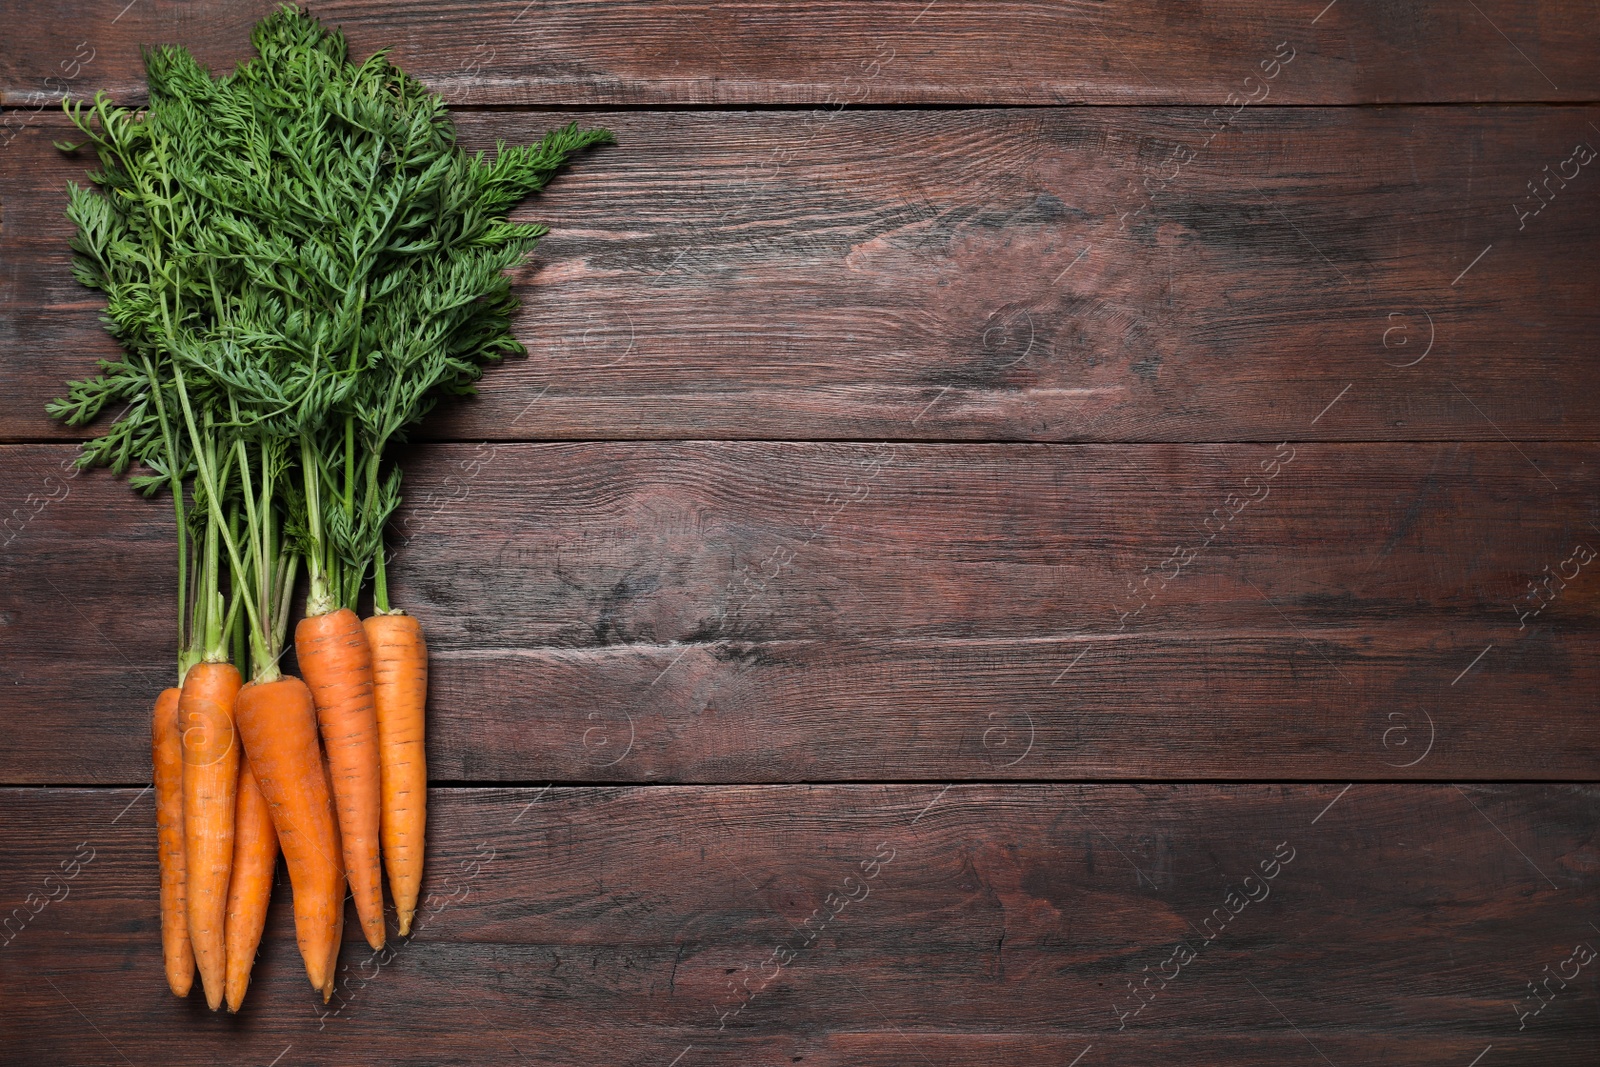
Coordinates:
300	250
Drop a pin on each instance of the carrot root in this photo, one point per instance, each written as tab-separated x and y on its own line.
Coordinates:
278	724
255	860
210	781
166	743
400	690
337	663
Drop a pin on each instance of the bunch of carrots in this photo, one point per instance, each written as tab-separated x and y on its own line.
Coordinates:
298	261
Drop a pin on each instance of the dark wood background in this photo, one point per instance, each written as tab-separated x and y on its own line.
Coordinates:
1037	491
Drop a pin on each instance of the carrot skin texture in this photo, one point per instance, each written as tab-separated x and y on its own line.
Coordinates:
278	725
337	664
255	861
400	688
210	780
166	744
338	926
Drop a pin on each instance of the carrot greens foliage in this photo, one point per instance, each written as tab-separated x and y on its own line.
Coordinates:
298	261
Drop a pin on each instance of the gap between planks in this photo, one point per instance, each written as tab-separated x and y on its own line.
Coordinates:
908	783
964	442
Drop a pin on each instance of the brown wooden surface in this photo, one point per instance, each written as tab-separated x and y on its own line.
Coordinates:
736	612
916	275
844	439
619	926
926	51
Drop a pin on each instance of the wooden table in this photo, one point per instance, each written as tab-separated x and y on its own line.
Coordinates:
961	577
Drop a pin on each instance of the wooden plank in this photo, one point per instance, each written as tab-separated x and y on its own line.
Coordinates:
891	52
736	612
1400	924
997	275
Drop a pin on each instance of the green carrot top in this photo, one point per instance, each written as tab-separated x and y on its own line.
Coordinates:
299	260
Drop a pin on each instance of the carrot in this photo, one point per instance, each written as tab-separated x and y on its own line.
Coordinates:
337	664
400	689
255	859
210	777
235	428
167	749
338	923
278	724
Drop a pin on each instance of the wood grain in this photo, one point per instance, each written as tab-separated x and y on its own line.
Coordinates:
996	275
992	924
748	612
888	52
1078	334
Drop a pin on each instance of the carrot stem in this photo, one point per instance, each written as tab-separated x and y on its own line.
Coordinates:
288	564
380	583
350	466
175	475
319	601
207	475
380	573
212	642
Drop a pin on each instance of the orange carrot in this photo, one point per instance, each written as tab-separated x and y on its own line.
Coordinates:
210	778
278	725
255	860
338	924
167	749
337	664
400	689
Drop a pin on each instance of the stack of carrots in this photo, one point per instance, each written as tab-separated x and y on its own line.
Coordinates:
298	261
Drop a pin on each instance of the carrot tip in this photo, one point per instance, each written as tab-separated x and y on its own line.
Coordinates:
405	924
